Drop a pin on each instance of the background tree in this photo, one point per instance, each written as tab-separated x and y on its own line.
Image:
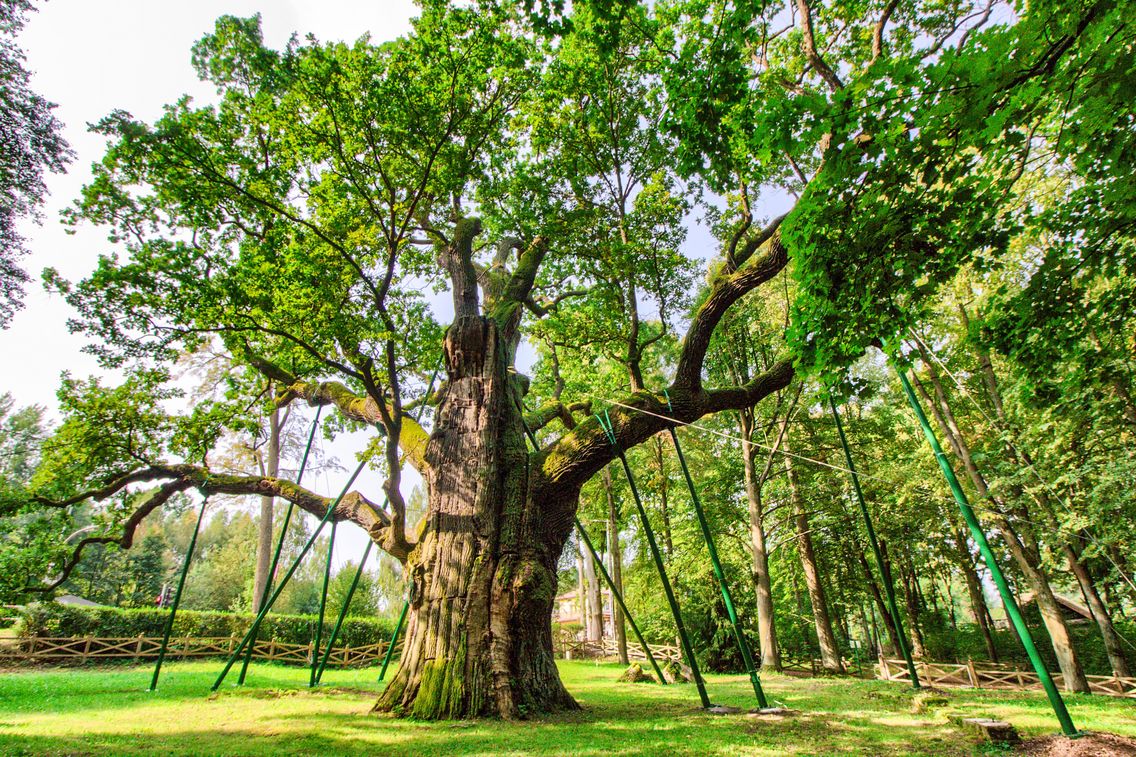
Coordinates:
32	146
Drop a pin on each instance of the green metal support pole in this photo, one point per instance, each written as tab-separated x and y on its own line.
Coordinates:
615	592
177	596
394	640
979	535
885	576
323	608
684	639
280	544
343	613
739	635
287	577
619	598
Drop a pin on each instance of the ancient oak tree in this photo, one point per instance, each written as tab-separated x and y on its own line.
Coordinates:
541	168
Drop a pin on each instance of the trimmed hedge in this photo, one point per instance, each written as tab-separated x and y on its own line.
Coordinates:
56	620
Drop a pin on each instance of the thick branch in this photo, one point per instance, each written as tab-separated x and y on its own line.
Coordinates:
809	43
457	259
554	410
411	436
878	30
581	453
155	499
725	291
738	397
354	507
113	486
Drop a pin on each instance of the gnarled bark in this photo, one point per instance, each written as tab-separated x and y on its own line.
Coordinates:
479	638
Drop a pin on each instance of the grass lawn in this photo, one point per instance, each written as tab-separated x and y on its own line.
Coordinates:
108	711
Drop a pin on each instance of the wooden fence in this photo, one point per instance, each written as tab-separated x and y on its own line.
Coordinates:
94	648
575	650
992	676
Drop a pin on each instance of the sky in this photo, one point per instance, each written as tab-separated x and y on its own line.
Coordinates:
94	56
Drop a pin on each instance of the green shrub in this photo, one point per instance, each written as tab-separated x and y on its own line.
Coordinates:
55	620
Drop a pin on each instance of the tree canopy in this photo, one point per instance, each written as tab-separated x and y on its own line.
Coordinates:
32	145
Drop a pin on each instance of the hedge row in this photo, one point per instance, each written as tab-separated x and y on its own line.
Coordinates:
55	620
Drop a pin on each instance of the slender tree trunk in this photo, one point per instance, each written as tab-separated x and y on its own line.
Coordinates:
616	552
762	581
581	589
911	599
881	605
593	601
829	651
269	466
978	606
484	571
1112	644
1027	558
660	462
951	603
1100	614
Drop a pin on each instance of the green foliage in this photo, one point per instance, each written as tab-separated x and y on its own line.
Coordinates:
29	538
297	219
33	146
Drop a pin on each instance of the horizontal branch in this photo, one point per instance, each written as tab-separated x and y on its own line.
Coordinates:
363	409
353	507
555	410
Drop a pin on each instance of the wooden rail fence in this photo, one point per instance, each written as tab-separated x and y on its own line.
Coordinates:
576	650
992	676
94	648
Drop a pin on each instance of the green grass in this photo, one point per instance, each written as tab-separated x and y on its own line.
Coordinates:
108	711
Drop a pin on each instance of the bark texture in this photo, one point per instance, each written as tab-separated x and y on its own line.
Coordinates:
479	638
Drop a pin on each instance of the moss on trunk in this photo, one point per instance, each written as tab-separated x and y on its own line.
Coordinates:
479	638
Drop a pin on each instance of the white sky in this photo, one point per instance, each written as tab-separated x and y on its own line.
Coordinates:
94	56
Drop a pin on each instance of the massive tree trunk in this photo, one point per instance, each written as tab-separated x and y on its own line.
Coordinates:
482	565
479	636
